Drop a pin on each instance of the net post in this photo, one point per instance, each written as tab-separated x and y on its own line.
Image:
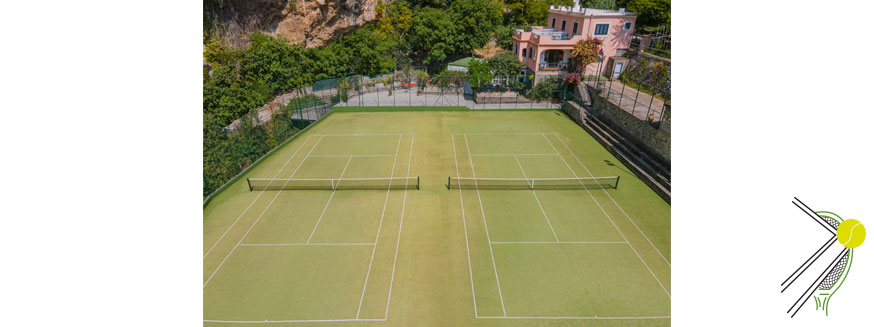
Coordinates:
417	182
617	183
249	183
448	182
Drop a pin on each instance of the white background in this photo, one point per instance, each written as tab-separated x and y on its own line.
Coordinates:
101	205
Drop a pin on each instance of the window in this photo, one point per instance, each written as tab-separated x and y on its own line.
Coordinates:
554	56
627	26
563	22
601	29
553	22
524	53
515	49
575	29
620	52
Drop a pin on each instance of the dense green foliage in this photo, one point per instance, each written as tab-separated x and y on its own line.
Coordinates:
600	4
648	76
650	13
530	12
586	52
427	32
226	154
479	73
505	64
545	88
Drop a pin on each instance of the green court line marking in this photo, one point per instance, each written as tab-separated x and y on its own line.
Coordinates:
537	199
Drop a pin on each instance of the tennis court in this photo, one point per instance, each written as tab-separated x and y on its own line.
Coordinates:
378	218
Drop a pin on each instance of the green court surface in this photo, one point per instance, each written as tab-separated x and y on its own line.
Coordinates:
437	256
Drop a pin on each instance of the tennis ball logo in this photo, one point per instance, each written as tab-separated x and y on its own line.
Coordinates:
851	233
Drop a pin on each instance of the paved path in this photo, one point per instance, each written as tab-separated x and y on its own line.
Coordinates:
637	103
408	97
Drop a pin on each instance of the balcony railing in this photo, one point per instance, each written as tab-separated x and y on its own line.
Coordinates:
552	34
553	65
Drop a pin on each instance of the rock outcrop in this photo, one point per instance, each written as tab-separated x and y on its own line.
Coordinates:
312	22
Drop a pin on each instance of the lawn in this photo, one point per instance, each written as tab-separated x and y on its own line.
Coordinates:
435	255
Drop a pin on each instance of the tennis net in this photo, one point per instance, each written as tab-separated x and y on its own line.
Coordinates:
578	183
387	183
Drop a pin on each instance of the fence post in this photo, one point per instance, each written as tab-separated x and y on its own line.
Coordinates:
635	99
621	95
651	98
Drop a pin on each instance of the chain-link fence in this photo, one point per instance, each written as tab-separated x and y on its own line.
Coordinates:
449	89
643	89
231	149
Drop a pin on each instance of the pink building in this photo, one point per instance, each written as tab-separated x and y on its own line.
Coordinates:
546	50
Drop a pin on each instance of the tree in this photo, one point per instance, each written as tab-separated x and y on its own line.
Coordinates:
505	64
600	4
395	19
478	73
475	20
531	12
504	36
434	34
650	13
586	52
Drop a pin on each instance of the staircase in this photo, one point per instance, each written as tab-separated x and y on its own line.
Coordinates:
648	166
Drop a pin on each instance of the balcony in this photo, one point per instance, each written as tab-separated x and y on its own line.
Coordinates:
553	66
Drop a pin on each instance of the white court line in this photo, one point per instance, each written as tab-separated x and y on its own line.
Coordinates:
260	215
510	154
489	238
303	244
378	229
376	134
538	200
255	199
464	220
286	321
582	318
595	242
500	133
349	155
400	227
614	200
328	203
609	218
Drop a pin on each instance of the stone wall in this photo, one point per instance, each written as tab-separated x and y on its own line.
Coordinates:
656	137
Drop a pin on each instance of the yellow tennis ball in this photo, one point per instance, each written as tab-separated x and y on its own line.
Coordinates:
851	233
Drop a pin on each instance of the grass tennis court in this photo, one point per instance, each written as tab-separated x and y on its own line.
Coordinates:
403	256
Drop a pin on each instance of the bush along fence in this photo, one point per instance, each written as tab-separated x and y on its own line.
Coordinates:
228	150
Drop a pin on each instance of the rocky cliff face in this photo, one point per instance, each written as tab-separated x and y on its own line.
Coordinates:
312	22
